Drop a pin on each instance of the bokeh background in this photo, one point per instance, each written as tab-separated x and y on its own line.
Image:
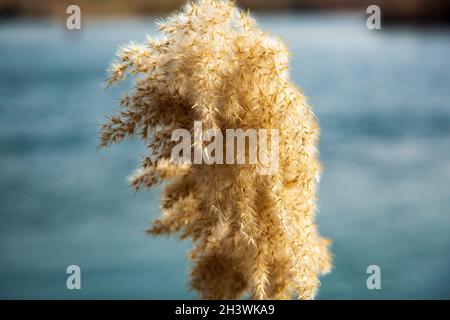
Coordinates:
382	98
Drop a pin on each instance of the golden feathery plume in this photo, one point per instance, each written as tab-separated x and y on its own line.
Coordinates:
253	234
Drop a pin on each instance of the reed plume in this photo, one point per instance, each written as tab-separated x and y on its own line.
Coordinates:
253	235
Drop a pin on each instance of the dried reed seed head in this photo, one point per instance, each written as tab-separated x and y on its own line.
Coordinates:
253	235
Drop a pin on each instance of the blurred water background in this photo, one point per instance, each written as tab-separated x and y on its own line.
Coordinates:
383	101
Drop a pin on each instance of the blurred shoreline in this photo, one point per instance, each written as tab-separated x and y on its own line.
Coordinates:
392	11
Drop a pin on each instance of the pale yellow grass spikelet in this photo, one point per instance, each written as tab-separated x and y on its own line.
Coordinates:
253	235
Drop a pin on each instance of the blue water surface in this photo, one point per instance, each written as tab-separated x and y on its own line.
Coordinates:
383	101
